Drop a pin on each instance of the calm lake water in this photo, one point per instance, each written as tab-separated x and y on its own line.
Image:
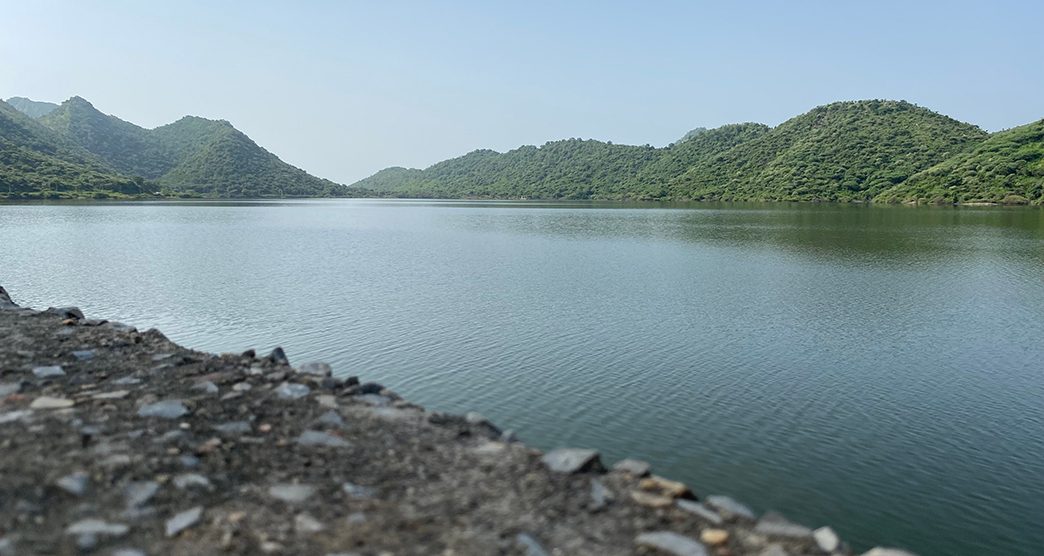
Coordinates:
877	369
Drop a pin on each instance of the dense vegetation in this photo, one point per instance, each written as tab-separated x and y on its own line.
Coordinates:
568	169
231	165
846	151
190	157
1008	167
840	152
37	162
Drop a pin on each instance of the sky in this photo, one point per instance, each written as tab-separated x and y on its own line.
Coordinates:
343	89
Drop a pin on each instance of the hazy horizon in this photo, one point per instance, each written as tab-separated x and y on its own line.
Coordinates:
345	90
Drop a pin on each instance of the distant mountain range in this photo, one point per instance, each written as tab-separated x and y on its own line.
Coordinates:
73	150
858	151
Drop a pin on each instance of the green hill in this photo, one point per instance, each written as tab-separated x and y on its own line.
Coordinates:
391	179
567	169
698	147
32	108
227	163
882	150
844	151
124	146
37	162
1006	168
193	156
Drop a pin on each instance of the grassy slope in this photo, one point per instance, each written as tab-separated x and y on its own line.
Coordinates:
1008	167
36	162
192	155
571	169
840	152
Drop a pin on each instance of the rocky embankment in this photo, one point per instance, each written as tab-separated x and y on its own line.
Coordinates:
120	442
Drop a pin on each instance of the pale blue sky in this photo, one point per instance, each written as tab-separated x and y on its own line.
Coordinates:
343	89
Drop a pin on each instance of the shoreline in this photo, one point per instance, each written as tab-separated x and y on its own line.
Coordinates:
115	439
4	200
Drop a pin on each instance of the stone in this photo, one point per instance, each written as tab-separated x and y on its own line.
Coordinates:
192	480
370	388
882	551
650	500
730	508
326	400
331	383
66	312
774	549
508	436
74	483
48	372
530	545
47	402
319	438
316	368
292	391
8	388
166	409
666	487
93	526
233	427
7	546
476	418
572	460
635	467
127	381
358	491
701	511
14	416
278	356
83	354
490	448
331	419
114	395
826	539
304	523
188	461
242	387
183	520
671	543
775	525
375	400
714	537
291	493
207	387
128	552
138	493
601	496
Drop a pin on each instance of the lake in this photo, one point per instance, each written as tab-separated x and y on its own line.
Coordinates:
877	369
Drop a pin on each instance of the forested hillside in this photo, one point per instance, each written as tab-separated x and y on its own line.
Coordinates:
1008	168
840	152
889	151
36	162
191	157
567	169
